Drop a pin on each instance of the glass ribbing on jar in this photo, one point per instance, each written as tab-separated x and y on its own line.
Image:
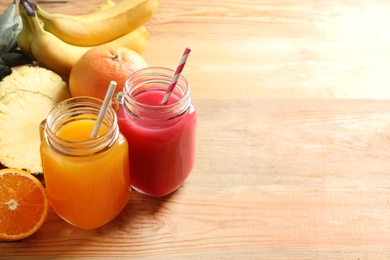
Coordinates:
80	108
155	79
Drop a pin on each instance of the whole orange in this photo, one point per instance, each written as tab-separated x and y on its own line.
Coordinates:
92	73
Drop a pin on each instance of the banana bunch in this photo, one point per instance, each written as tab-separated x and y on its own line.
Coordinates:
103	6
63	39
10	26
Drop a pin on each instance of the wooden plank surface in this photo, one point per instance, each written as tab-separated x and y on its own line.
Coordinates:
295	179
293	149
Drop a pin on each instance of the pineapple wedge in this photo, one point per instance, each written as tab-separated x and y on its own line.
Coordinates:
21	113
35	79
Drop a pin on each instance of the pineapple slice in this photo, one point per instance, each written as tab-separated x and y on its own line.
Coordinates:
21	113
35	79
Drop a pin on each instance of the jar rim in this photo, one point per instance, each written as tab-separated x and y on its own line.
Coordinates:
155	79
67	111
161	71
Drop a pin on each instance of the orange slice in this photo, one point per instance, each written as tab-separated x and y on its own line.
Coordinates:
23	204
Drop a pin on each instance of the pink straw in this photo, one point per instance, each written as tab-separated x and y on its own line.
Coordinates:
176	76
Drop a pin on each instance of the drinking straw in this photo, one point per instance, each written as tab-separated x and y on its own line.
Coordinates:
176	76
103	109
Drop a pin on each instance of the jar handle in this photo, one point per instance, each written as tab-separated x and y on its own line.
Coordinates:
42	127
117	101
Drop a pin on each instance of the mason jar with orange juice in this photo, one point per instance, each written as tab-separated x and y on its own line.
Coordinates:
87	179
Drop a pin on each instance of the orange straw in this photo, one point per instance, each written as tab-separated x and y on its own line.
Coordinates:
176	76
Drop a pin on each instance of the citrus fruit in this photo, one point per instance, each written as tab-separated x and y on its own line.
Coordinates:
23	204
92	73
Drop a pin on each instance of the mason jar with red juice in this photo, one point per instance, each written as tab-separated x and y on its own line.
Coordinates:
161	137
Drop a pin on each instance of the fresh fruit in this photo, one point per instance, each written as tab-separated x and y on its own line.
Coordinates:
10	26
103	6
99	27
25	36
92	73
35	79
21	113
59	56
26	97
23	204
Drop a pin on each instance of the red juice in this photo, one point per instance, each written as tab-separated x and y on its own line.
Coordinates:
161	150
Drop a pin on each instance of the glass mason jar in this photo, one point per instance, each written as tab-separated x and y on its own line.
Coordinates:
87	180
161	137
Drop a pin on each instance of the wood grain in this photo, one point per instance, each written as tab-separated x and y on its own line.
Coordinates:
277	49
297	178
293	155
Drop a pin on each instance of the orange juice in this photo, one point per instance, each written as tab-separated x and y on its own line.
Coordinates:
87	180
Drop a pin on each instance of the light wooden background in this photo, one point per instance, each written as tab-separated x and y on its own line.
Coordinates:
293	150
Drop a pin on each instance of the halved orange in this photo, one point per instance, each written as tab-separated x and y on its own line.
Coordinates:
23	204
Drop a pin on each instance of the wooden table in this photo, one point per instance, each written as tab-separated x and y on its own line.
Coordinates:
293	144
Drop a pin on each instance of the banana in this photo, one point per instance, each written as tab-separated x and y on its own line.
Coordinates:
136	40
99	27
25	35
103	6
50	51
60	56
